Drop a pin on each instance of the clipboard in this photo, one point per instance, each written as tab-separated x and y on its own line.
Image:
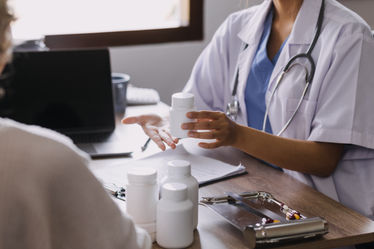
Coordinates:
264	220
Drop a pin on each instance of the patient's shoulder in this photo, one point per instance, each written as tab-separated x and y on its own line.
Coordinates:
33	147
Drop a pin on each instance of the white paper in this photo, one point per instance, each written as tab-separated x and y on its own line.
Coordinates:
204	169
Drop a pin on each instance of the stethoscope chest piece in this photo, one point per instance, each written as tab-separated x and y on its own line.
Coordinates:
232	108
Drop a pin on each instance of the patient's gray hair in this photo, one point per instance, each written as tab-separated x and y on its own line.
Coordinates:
6	17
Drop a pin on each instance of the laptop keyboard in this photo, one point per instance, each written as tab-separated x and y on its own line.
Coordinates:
89	138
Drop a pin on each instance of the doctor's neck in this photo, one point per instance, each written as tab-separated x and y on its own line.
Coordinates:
287	10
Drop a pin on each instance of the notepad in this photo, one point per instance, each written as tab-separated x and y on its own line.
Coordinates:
204	169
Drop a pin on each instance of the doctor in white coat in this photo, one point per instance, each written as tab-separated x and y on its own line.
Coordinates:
329	143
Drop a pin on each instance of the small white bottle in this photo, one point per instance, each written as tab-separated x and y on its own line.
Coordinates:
181	104
180	171
174	217
142	198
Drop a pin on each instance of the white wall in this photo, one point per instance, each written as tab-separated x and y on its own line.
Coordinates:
166	67
365	8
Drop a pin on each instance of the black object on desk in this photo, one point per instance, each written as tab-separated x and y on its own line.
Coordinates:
69	91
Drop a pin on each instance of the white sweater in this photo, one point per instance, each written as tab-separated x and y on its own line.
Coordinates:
50	199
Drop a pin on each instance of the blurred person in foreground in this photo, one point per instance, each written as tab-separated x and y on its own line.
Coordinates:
48	196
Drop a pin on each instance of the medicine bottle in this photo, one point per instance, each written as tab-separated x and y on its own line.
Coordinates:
180	171
181	104
142	198
174	217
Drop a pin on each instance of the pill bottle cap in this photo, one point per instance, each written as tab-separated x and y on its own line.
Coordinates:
174	191
142	175
179	168
182	100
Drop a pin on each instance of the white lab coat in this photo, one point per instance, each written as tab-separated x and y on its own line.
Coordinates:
339	104
50	199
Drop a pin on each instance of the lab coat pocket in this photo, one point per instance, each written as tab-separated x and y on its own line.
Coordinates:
300	125
307	106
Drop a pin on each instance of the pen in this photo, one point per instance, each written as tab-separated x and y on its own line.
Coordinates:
144	147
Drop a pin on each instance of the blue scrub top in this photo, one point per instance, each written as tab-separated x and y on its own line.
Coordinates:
258	79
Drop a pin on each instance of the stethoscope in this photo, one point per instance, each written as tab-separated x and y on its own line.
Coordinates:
232	108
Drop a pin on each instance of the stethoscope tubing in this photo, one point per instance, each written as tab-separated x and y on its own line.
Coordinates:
279	80
290	64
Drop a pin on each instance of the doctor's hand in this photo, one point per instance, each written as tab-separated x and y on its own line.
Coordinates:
212	125
155	127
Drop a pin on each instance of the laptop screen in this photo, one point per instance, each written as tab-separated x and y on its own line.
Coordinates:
67	91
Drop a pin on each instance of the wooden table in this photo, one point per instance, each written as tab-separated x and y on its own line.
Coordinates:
346	227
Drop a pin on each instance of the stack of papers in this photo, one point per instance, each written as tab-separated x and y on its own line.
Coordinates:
204	169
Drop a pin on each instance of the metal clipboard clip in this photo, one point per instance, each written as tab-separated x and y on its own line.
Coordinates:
115	191
291	226
279	232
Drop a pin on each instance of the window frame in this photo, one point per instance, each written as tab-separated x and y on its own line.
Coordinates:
194	31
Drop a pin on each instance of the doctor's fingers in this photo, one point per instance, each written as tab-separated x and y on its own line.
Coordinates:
142	119
203	135
205	115
130	120
202	125
155	137
167	138
223	137
211	145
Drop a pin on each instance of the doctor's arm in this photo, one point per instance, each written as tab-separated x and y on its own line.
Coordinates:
207	83
351	71
308	157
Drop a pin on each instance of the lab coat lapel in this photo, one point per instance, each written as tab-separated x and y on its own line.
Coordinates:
250	34
299	40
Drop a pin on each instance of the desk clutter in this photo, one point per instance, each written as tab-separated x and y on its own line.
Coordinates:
134	182
141	96
206	170
263	219
172	218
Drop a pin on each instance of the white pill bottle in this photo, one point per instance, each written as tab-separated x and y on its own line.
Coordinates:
180	171
174	217
181	104
142	198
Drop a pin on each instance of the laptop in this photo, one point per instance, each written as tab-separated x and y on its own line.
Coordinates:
69	91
